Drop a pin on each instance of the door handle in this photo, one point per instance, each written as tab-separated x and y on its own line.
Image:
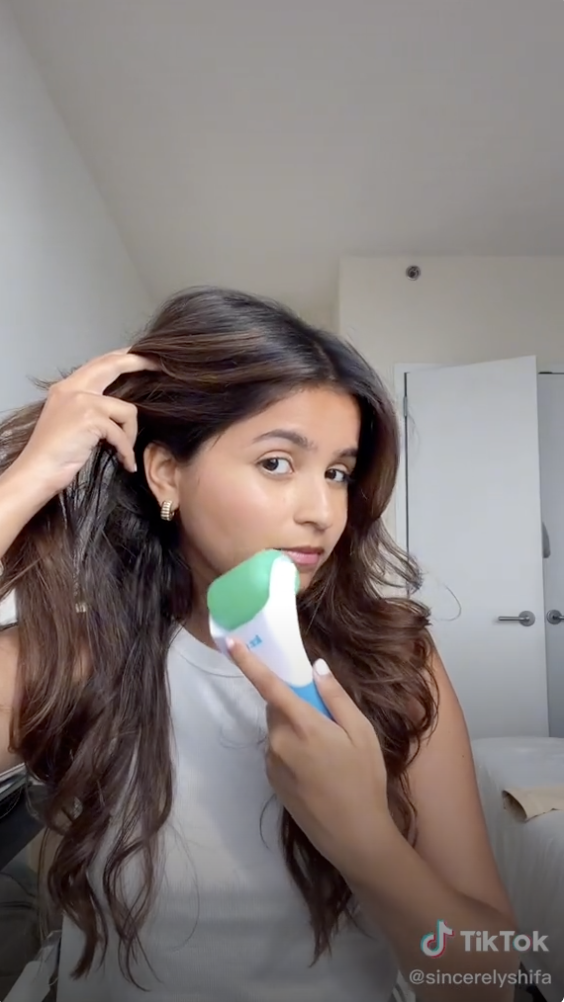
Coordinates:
554	617
525	618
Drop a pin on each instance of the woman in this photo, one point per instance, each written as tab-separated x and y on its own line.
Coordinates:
229	427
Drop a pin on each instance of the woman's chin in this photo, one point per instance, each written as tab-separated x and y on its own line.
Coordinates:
306	577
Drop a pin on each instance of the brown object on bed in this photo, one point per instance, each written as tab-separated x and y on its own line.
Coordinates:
529	802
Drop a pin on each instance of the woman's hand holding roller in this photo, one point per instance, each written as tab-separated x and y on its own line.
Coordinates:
329	774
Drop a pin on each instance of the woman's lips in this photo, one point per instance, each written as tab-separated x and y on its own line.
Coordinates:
304	558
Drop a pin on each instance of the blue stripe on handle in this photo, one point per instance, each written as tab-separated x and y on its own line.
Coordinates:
311	695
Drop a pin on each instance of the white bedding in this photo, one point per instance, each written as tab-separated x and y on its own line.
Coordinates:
530	854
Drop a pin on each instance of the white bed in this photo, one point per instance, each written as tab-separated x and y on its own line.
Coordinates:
530	854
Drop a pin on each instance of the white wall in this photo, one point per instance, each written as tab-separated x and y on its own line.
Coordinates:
67	287
460	309
68	290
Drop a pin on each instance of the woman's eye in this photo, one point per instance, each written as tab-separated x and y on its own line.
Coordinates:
340	476
280	466
275	464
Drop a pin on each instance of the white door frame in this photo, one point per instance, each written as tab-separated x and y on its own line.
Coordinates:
401	370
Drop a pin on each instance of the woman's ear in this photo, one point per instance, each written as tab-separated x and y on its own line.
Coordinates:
161	471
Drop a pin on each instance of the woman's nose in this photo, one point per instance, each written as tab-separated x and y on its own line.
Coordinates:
315	506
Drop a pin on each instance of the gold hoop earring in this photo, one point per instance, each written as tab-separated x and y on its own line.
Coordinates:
167	511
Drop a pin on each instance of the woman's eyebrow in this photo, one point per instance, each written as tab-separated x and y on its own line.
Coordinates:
351	452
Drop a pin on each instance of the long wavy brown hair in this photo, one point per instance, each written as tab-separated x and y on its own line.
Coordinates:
101	583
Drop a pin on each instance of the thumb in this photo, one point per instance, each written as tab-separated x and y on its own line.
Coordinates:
340	705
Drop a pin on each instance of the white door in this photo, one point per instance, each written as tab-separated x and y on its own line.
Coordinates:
474	523
551	437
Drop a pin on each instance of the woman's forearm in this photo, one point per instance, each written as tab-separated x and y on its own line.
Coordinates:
402	894
22	495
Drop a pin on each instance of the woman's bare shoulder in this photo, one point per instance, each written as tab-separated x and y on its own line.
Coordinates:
9	653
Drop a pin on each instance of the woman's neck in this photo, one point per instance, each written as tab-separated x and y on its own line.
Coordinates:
198	624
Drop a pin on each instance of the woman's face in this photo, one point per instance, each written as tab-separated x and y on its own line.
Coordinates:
277	480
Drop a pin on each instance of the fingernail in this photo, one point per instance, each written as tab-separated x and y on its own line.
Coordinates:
321	667
230	643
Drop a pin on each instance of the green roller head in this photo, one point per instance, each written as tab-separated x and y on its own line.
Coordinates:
236	597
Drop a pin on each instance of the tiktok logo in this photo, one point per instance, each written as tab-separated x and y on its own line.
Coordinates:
434	943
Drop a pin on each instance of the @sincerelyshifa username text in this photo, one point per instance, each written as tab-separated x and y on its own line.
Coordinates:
527	978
